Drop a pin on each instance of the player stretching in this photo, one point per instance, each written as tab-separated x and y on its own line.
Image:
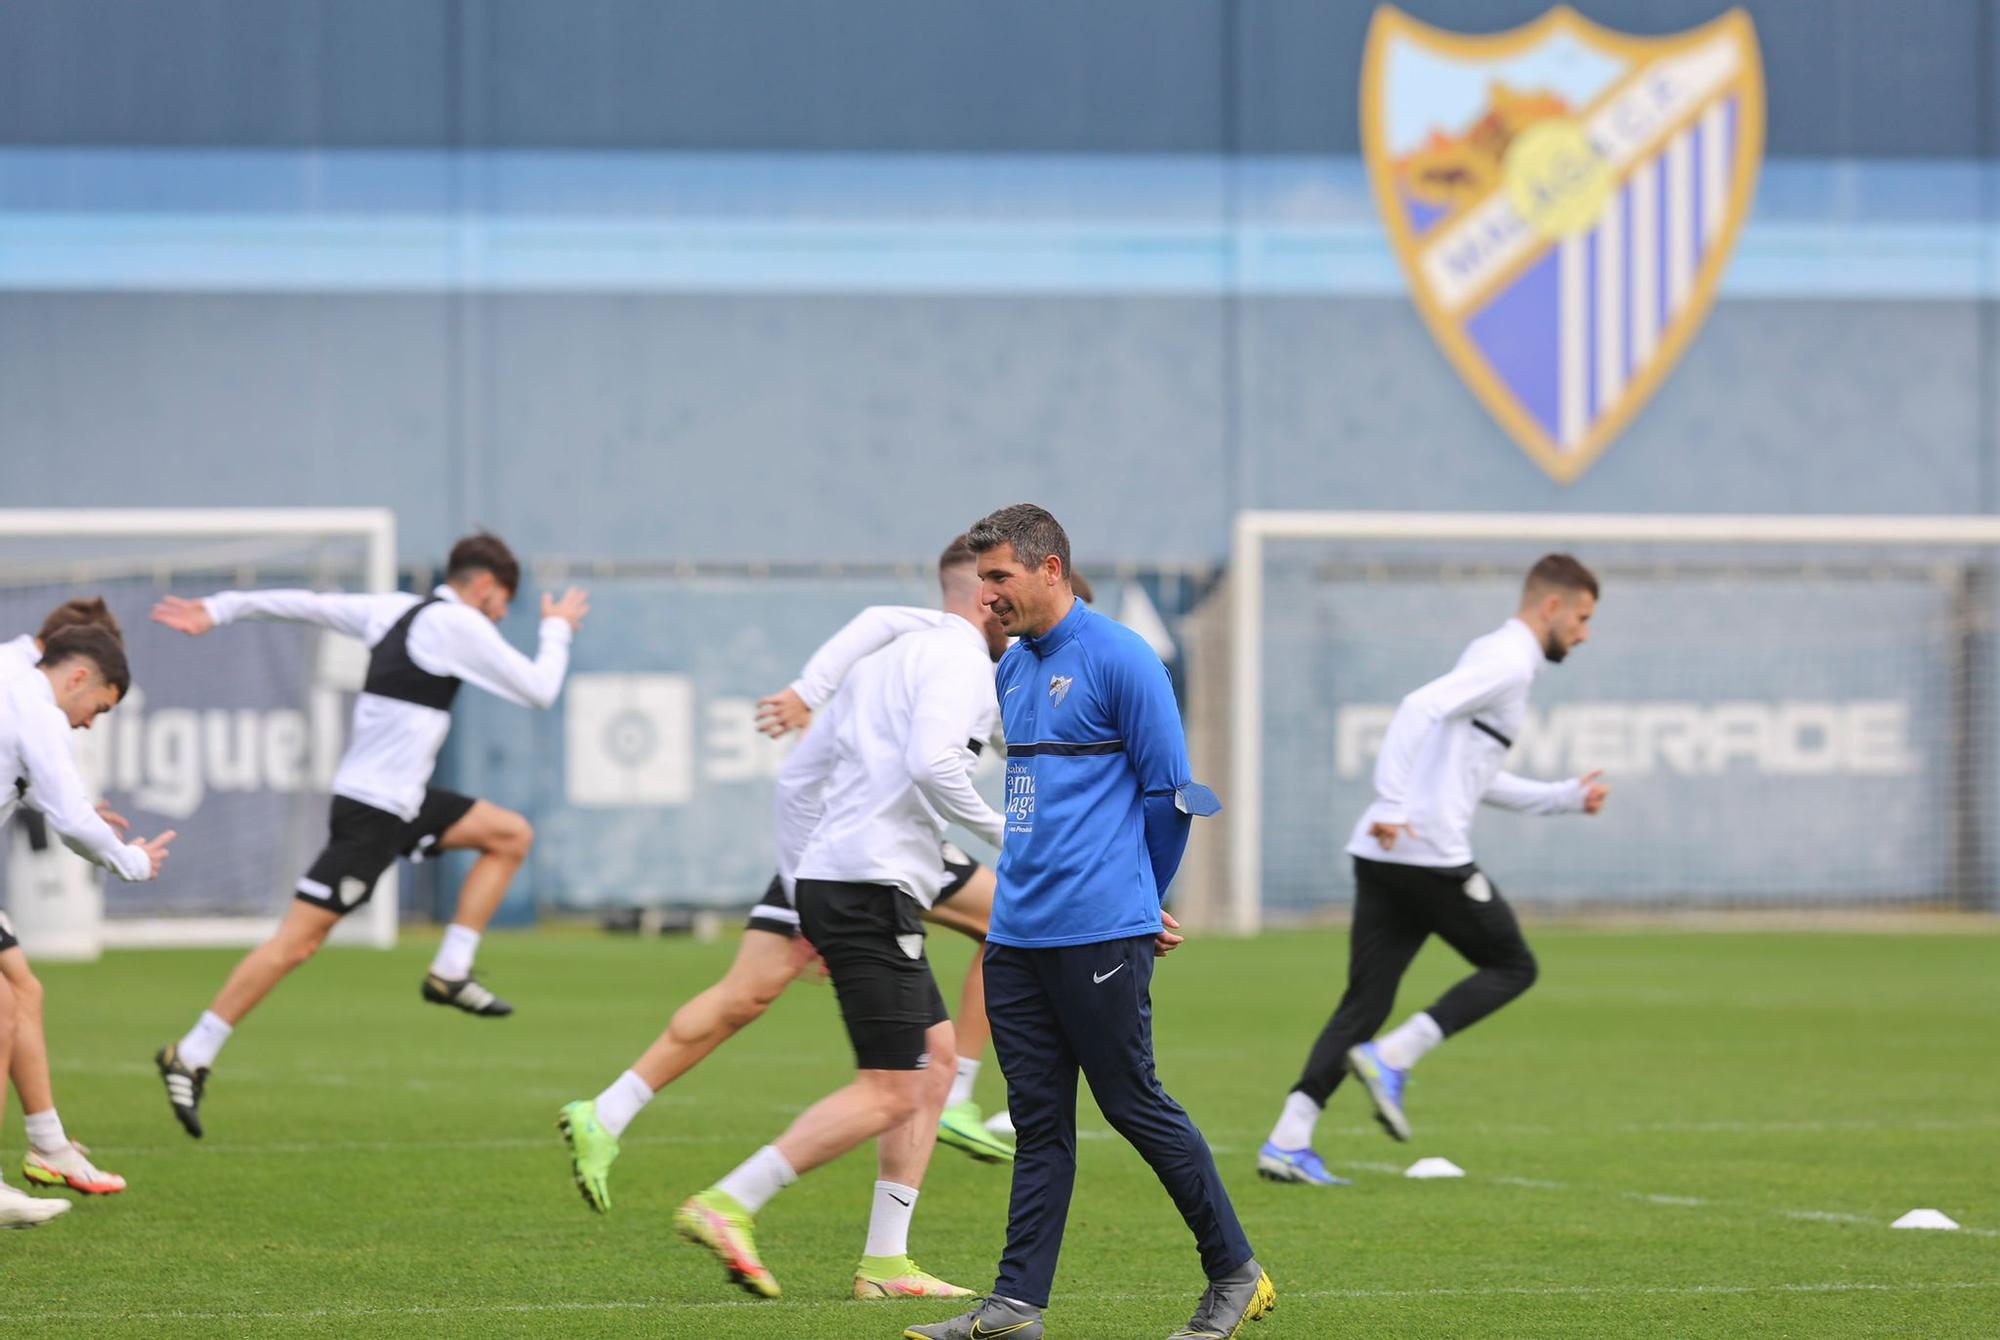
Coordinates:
1099	802
53	1158
772	954
82	674
873	786
1413	870
419	650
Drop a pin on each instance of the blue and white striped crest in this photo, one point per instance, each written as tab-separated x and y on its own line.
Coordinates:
1562	199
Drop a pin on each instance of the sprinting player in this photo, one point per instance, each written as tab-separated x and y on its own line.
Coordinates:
82	675
772	954
963	1125
53	1158
1413	870
1099	802
874	785
420	648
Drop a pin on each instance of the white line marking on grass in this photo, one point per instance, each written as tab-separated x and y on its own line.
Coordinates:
819	1304
1655	1198
402	1146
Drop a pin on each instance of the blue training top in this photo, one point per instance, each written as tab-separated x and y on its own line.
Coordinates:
1098	792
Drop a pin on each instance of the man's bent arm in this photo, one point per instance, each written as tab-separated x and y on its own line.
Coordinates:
1460	693
867	632
1149	722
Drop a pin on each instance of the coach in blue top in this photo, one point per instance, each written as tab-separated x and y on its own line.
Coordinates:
1097	810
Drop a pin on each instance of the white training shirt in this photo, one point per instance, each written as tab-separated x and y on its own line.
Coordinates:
35	749
865	798
395	744
19	653
867	632
1444	750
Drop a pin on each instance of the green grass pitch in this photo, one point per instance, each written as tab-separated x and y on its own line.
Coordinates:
1672	1135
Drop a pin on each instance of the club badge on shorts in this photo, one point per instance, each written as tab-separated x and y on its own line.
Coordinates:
1562	199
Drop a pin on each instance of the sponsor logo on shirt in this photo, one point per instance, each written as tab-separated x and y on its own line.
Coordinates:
1020	798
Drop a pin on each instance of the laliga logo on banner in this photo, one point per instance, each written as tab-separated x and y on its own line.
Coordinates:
1563	199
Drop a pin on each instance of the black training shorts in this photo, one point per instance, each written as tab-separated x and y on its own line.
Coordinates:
363	841
872	938
774	912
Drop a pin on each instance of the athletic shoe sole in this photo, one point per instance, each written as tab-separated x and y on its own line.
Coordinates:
576	1173
1273	1170
46	1177
1387	1112
688	1224
61	1207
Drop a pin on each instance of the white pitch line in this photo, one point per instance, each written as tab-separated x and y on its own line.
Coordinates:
1657	1198
817	1304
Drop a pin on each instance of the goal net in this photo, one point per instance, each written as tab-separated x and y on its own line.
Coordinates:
230	739
1793	711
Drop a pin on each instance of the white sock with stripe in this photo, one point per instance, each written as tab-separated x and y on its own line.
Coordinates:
889	1221
203	1043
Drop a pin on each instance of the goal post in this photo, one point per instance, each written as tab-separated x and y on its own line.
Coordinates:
230	739
1793	709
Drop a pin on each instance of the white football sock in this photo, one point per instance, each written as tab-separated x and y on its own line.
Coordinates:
889	1221
455	951
758	1178
961	1086
617	1105
1403	1047
203	1042
45	1132
1295	1124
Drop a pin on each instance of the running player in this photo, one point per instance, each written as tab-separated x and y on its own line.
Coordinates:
420	649
1414	875
53	1158
866	798
82	675
772	954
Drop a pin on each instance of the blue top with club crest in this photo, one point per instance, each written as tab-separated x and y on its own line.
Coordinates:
1098	791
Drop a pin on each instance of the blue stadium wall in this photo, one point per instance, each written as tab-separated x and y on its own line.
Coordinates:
795	281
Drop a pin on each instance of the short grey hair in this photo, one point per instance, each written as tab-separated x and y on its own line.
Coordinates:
1030	529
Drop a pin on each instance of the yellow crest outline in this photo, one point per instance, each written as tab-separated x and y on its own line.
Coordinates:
1390	24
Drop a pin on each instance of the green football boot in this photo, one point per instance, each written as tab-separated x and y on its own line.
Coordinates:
717	1220
962	1127
591	1151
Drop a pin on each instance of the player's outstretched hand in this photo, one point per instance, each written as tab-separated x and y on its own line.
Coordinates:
183	616
781	713
1166	942
1385	835
1595	793
156	851
570	609
113	817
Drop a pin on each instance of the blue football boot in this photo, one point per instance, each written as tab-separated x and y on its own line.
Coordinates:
1295	1165
1385	1087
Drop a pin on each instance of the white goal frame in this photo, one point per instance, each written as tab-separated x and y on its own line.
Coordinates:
1244	903
375	527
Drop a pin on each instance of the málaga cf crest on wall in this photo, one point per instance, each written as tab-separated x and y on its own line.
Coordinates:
1562	199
